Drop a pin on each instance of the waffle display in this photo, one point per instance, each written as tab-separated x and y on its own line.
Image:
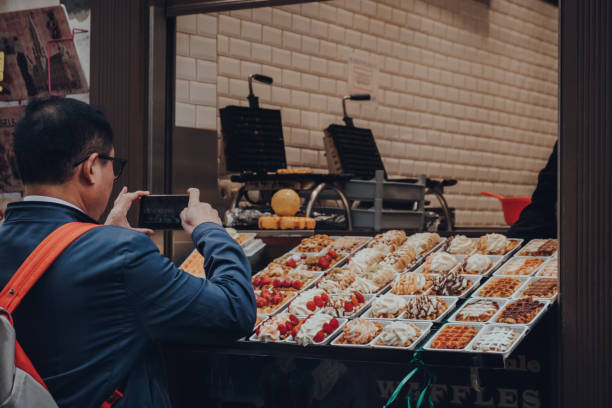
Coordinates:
275	270
359	331
476	264
401	259
500	287
521	266
269	301
309	301
323	262
347	245
337	280
399	334
391	239
495	244
388	306
412	284
365	285
315	329
265	282
316	243
194	264
422	242
540	247
379	275
550	269
277	327
478	311
541	288
344	304
460	245
496	339
450	284
454	337
439	262
425	308
366	258
521	311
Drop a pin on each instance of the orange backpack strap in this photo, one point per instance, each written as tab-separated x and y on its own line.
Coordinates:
39	261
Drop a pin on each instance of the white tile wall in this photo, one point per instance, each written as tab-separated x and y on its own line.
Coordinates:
466	90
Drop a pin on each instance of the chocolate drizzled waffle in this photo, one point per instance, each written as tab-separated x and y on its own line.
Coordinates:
454	336
425	308
478	311
541	288
540	247
500	287
450	284
521	311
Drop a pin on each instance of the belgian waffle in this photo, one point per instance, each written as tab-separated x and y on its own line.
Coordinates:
450	284
399	334
498	339
454	336
401	259
478	311
411	284
540	247
550	269
521	311
316	243
541	288
359	331
194	264
521	266
500	287
425	307
347	244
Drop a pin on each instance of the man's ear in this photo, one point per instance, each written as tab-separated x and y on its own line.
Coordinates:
89	169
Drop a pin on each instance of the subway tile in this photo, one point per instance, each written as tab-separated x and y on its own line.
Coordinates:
207	24
185	115
185	68
203	94
318	65
229	25
300	61
281	96
240	48
292	41
272	36
238	88
262	15
248	68
281	57
319	29
222	45
204	47
310	45
229	66
291	79
300	99
281	18
182	44
251	31
206	117
262	52
182	90
187	24
206	71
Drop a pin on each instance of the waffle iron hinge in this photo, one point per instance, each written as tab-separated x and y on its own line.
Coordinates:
355	97
254	100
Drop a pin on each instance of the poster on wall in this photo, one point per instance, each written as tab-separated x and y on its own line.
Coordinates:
25	39
363	77
10	183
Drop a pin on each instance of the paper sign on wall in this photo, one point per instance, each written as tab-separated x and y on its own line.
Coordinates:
363	77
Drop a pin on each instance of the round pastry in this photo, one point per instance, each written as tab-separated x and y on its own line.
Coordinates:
285	202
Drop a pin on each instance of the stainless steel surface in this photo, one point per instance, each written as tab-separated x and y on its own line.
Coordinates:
315	194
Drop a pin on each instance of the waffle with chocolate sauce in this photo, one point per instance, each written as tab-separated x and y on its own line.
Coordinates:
521	311
540	247
500	287
454	336
478	311
425	308
541	288
450	284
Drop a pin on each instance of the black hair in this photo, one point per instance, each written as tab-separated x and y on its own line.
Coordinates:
53	134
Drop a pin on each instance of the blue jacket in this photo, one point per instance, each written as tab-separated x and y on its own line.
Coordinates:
95	319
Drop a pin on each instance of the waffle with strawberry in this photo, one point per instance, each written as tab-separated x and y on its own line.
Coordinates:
316	243
315	329
345	304
322	263
310	301
269	301
277	328
265	282
359	331
337	280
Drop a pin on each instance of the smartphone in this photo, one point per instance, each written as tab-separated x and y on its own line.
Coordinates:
161	212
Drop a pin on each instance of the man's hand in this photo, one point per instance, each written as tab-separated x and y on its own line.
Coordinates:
197	212
118	215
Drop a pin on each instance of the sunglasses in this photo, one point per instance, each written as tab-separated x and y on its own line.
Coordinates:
118	164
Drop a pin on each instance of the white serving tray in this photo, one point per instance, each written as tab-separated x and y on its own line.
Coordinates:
500	302
521	329
425	328
428	346
500	271
537	317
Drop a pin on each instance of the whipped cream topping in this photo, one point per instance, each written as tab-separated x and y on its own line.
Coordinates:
298	305
387	304
364	285
335	307
360	331
409	283
366	258
422	241
268	331
330	286
495	243
399	334
461	244
442	262
380	274
477	263
310	328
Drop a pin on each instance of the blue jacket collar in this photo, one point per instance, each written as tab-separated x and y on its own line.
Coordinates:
41	211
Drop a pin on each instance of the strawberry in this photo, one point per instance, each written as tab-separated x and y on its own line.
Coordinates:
348	307
360	297
311	306
325	297
257	330
354	300
332	253
319	337
265	280
334	323
288	326
297	284
327	328
261	302
255	281
287	283
291	263
324	262
294	320
276	299
318	301
282	329
303	256
294	332
277	283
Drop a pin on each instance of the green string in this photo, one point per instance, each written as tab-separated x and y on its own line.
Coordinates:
428	375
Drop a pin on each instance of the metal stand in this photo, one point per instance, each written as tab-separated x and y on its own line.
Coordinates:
314	195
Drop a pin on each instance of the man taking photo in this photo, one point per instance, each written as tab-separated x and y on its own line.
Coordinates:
93	322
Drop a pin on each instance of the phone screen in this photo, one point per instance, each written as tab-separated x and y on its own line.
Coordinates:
161	212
